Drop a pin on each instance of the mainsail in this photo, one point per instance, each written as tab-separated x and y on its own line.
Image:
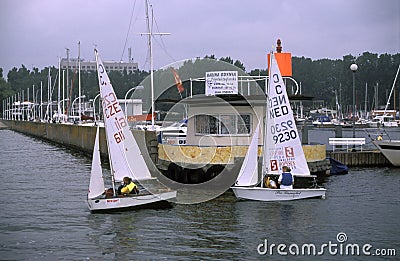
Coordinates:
282	146
126	159
96	183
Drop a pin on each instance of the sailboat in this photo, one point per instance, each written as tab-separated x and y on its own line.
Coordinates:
390	148
281	147
125	160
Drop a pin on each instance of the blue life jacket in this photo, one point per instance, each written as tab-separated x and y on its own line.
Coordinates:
286	179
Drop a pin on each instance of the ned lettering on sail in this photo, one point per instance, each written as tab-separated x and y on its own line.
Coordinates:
278	104
282	131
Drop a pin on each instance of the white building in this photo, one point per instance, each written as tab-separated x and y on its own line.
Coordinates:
91	65
131	107
223	121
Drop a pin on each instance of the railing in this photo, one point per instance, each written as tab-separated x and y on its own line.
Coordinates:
247	85
347	142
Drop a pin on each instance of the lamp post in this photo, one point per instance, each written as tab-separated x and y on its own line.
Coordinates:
40	112
72	105
49	110
140	87
354	68
59	109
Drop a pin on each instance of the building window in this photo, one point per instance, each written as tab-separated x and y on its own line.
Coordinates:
243	124
223	124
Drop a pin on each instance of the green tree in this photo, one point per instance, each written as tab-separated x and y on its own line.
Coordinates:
320	78
5	91
227	59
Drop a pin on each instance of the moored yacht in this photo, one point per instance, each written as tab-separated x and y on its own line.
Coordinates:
383	121
323	121
390	149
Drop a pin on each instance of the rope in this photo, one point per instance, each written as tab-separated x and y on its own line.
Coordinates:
127	33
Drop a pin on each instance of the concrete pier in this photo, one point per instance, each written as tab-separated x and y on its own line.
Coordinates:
78	137
184	163
372	158
3	126
174	160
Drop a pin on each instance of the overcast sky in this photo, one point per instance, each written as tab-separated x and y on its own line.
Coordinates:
35	33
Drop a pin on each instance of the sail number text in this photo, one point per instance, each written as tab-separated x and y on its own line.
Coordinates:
110	105
283	131
119	124
111	108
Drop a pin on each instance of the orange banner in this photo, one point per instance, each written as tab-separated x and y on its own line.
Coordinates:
284	61
143	117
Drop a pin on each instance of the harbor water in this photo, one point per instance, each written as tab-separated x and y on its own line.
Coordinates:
44	217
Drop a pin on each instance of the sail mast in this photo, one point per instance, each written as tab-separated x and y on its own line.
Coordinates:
79	79
105	127
59	86
108	148
391	91
365	99
111	164
41	101
150	43
150	31
265	141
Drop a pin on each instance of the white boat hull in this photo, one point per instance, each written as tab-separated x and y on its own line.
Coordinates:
390	124
128	202
267	194
391	150
373	124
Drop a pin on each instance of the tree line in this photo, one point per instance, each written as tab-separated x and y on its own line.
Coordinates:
323	79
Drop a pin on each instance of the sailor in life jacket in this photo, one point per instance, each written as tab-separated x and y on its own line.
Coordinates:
129	187
286	179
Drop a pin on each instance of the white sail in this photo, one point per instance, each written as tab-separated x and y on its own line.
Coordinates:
248	175
282	146
96	183
126	159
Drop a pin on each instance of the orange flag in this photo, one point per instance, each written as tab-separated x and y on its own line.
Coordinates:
178	81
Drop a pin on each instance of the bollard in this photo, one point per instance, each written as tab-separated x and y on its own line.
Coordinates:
338	131
338	134
304	134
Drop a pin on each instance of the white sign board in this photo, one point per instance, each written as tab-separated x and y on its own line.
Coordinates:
221	82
